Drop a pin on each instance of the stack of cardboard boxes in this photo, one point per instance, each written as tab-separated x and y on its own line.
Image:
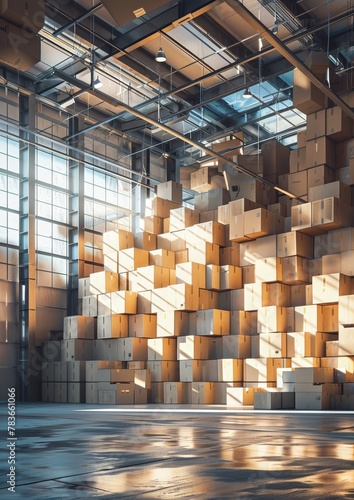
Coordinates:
233	302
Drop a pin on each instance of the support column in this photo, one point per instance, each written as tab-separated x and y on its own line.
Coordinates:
76	215
28	372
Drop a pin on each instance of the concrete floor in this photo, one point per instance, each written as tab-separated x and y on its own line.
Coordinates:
64	451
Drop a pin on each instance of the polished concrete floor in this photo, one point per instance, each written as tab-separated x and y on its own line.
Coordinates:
66	451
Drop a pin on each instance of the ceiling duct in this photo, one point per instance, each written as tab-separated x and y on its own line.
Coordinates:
125	12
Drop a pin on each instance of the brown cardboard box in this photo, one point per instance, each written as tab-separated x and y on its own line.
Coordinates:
268	270
243	322
252	296
145	241
132	258
190	370
150	277
306	96
144	302
142	325
295	270
331	263
301	138
330	213
212	273
170	190
316	125
346	263
248	252
229	148
236	229
191	273
163	371
275	157
272	345
79	327
162	349
335	189
297	160
276	294
346	174
272	319
134	349
123	302
183	217
204	253
175	392
294	243
279	209
258	222
207	299
248	274
230	277
317	176
241	205
211	200
103	282
320	151
344	151
201	179
230	255
212	232
339	126
174	323
213	322
194	347
253	163
162	258
117	239
301	217
89	305
223	216
297	183
209	216
160	207
263	369
306	344
112	326
241	396
201	393
346	341
234	347
152	224
329	287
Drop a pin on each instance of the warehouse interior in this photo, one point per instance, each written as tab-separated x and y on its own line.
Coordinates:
176	203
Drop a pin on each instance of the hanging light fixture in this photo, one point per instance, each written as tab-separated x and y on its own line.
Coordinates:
247	94
160	56
97	84
67	102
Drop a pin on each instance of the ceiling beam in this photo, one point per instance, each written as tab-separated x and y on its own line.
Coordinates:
240	9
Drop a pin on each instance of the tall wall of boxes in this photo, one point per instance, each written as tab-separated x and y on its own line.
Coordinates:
238	302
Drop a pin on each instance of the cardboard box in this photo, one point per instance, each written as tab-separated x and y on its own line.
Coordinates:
241	396
164	349
316	318
213	322
142	325
223	216
132	258
263	369
234	347
161	207
295	243
230	147
298	295
112	326
328	288
243	322
123	302
268	270
134	349
201	179
297	160
173	323
230	277
344	151
252	296
306	96
301	217
210	200
335	189
297	183
162	258
190	370
301	138
248	275
320	151
103	282
144	240
207	299
307	344
268	400
152	224
204	253
258	222
194	347
183	217
318	176
272	319
339	126
170	190
79	327
346	174
316	125
295	270
76	349
144	302
276	294
153	276
330	213
163	371
346	341
236	229
201	393
212	232
252	162
275	157
175	392
116	240
272	345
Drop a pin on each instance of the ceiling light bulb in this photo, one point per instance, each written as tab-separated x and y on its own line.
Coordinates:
160	56
68	102
247	94
97	84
